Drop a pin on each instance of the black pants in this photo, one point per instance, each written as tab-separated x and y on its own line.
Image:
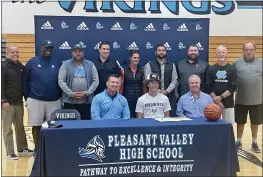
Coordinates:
132	107
83	109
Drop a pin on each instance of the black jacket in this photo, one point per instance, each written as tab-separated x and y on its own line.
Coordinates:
11	85
133	85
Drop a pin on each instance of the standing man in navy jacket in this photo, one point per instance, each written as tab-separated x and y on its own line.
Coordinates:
41	90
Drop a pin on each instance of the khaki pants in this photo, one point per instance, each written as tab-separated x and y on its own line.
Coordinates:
14	115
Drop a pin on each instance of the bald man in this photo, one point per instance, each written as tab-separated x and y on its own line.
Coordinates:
12	104
221	84
248	94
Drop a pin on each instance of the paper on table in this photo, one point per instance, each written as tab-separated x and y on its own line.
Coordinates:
174	119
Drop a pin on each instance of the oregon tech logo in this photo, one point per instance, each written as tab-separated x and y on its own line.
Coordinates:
181	46
166	27
115	45
149	45
99	26
198	27
64	25
94	150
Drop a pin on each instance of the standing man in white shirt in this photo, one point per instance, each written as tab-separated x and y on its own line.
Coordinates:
153	104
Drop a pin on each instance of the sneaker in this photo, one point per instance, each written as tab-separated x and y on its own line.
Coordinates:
238	145
255	148
12	157
25	152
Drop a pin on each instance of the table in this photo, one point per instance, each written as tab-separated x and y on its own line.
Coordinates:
137	147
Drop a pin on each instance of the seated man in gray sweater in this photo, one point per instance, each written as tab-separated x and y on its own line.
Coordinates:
78	78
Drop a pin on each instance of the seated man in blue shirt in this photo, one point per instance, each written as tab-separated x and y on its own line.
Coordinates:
193	103
109	104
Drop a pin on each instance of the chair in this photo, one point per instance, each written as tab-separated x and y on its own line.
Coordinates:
65	114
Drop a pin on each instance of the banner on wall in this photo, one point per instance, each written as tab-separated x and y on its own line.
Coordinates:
124	34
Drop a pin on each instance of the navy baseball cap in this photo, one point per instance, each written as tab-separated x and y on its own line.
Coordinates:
77	46
47	43
51	124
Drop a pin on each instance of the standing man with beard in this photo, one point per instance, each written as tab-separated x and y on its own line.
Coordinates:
192	65
105	66
78	78
167	73
221	84
12	104
41	89
248	94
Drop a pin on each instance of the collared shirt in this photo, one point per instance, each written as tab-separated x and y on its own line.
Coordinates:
191	106
105	106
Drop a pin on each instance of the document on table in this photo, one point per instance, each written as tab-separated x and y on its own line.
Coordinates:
173	119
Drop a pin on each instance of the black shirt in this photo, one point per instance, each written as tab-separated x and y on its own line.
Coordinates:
222	78
104	70
185	69
11	84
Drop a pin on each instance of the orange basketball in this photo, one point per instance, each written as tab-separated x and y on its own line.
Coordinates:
212	112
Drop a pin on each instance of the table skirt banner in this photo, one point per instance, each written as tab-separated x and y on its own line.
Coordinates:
138	148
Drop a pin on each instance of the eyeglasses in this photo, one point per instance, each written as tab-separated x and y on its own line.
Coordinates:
249	49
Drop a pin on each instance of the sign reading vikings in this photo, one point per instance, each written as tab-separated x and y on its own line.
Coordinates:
139	6
137	153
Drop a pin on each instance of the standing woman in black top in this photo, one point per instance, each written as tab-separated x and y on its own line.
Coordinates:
133	85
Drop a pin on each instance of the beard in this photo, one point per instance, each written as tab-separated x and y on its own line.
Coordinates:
78	58
250	58
193	58
161	56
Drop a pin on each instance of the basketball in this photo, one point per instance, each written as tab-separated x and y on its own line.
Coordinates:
212	112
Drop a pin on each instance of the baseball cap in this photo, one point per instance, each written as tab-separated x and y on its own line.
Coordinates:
51	124
153	77
77	46
47	43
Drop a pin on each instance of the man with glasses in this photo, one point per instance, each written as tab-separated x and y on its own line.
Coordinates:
78	78
153	104
248	94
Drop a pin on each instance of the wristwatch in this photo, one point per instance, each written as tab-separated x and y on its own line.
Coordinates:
222	97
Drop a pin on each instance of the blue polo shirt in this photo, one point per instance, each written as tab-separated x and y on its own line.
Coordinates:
191	106
105	106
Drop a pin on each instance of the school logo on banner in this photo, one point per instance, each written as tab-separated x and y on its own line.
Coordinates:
99	26
94	149
115	45
198	27
133	46
47	26
181	46
133	26
64	25
82	44
149	45
166	27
